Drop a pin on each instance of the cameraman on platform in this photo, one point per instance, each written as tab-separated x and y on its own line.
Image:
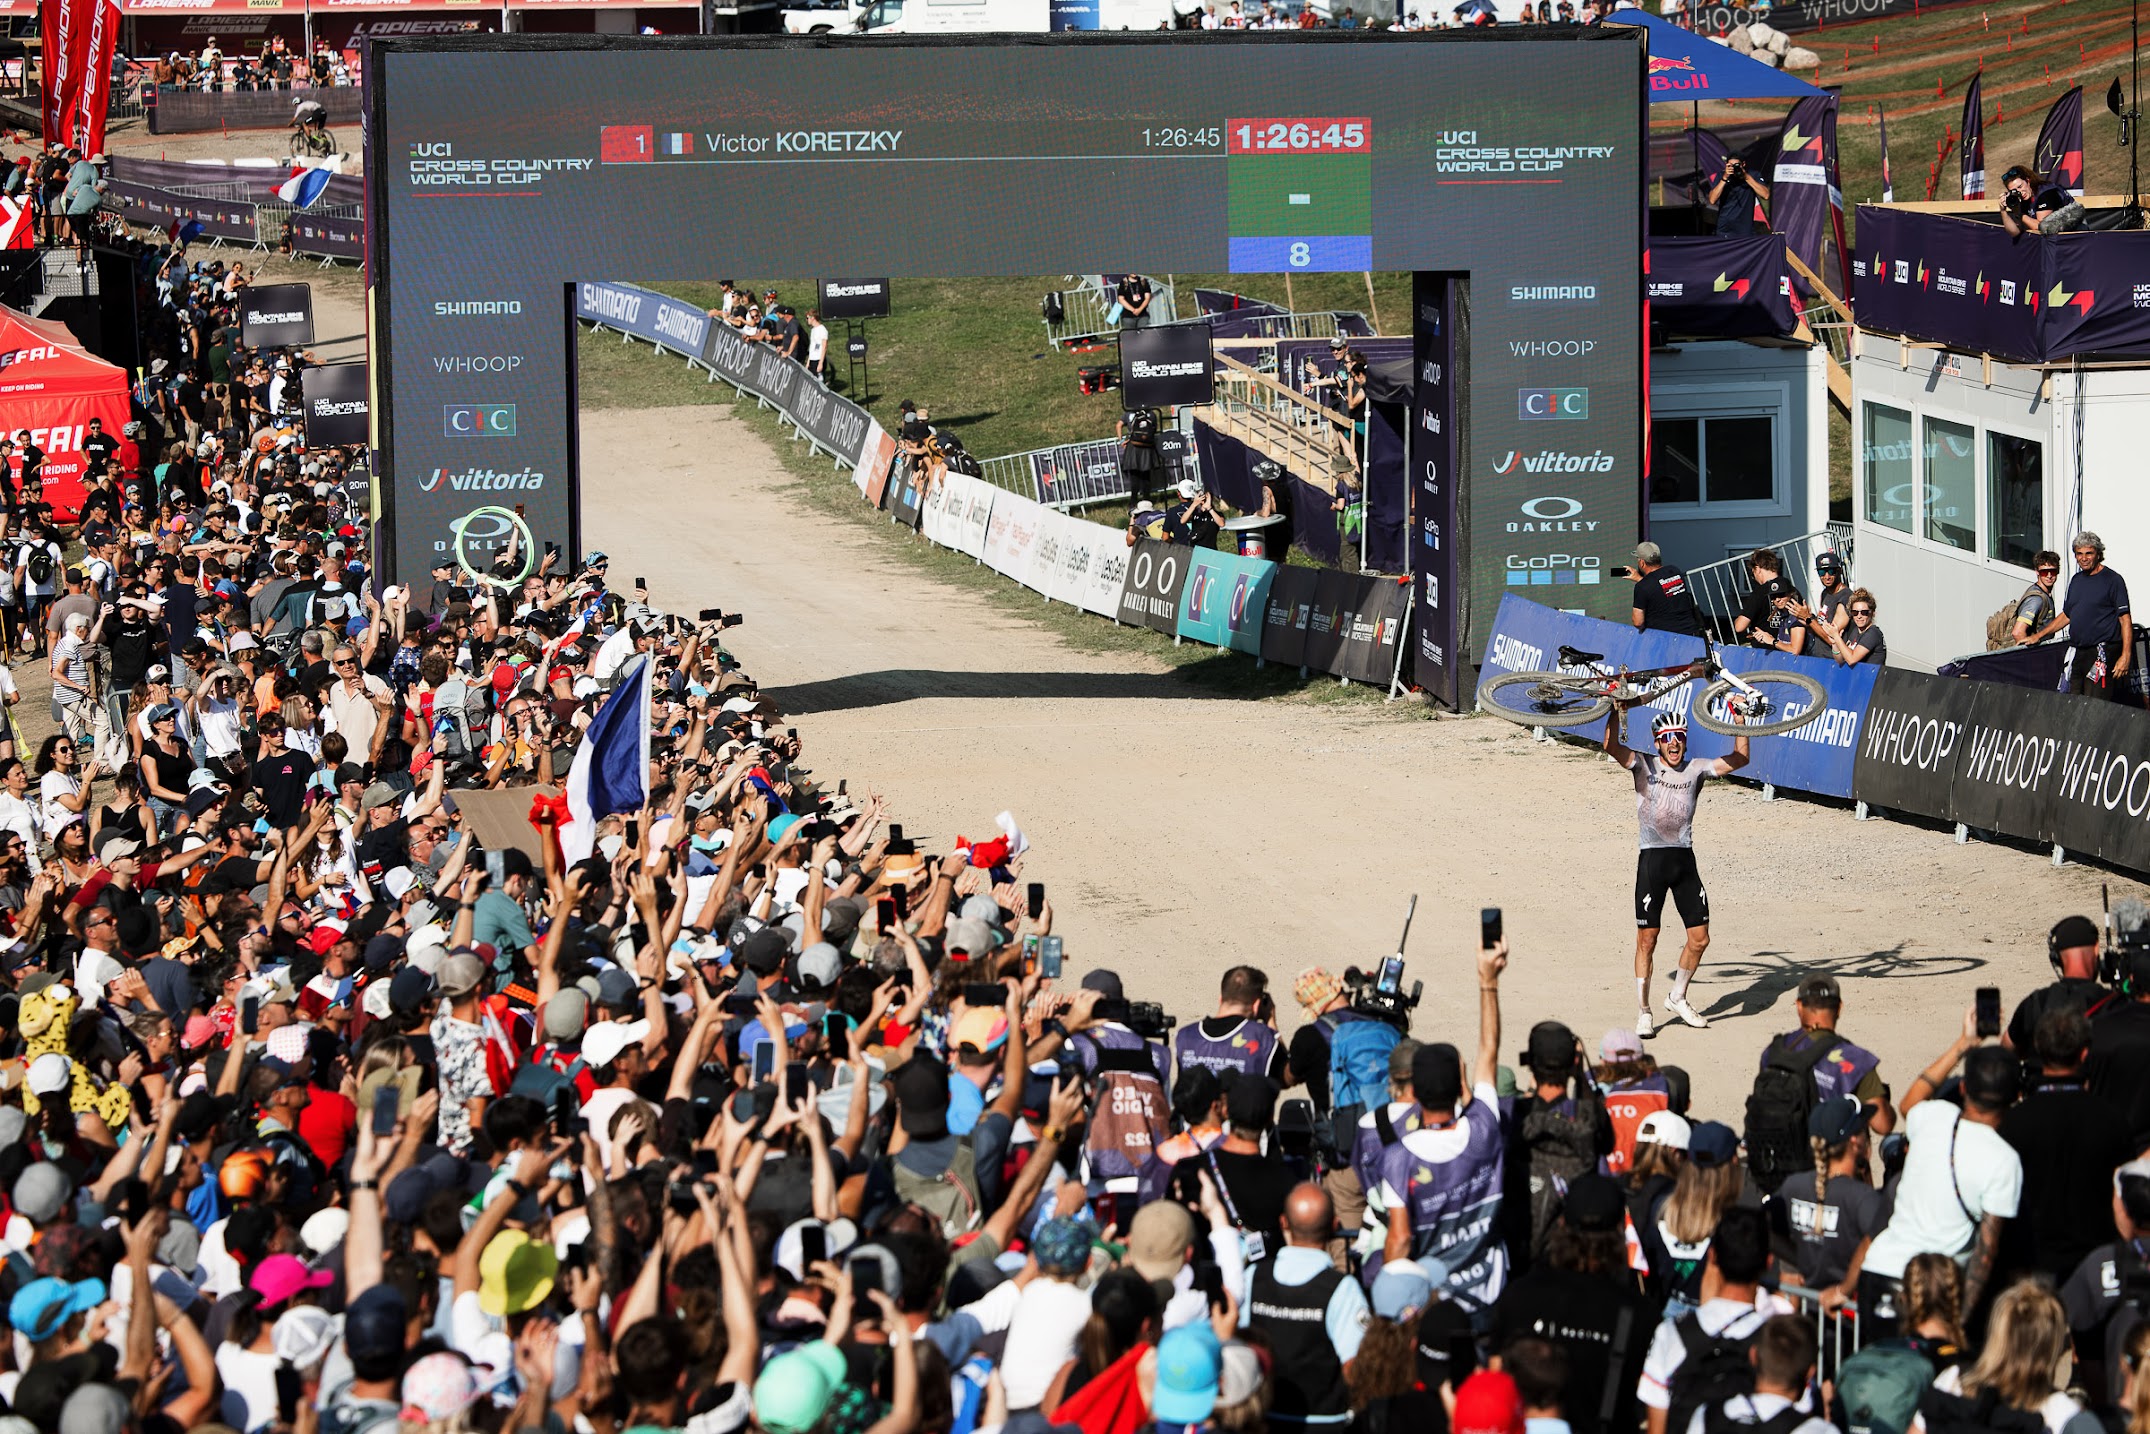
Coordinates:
2029	202
1734	195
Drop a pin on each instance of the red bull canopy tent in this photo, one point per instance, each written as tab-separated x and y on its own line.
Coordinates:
1686	67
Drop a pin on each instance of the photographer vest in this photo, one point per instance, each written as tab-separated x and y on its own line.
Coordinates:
1247	1048
1128	1113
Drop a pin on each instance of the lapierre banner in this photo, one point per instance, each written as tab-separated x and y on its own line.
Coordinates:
1721	288
1224	598
276	315
2043	766
337	404
79	37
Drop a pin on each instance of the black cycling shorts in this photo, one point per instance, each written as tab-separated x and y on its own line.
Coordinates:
1669	870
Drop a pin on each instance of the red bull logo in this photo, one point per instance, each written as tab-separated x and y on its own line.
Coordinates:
1676	72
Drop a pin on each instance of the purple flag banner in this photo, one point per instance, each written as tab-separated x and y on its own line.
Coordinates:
2059	155
1974	142
1721	288
1433	530
2095	300
1805	176
1888	184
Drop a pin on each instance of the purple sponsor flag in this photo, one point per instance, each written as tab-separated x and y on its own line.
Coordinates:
1809	204
1888	184
2059	155
1974	142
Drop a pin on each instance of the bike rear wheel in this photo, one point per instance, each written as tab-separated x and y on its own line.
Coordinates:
1783	702
1543	699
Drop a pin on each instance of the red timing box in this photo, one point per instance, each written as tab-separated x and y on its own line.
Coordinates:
627	144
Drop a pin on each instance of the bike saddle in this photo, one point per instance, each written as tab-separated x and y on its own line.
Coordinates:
1576	657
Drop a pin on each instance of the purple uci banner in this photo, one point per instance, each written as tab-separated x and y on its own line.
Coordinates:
1721	288
1431	532
2095	296
1952	281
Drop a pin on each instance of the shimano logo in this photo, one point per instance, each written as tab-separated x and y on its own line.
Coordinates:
1146	368
1553	293
451	310
335	408
610	303
1515	656
284	318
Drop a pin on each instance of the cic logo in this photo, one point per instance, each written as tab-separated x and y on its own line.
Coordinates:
1552	403
478	420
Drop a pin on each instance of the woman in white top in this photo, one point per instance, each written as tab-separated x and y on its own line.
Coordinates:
2026	1340
16	813
62	793
305	724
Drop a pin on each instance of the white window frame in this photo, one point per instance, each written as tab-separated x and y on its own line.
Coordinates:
1770	400
1985	495
1983	522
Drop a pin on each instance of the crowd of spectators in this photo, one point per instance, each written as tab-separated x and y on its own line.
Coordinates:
275	65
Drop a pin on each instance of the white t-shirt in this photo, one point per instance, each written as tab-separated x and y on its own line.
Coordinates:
21	818
220	724
1956	1173
817	343
249	1387
1041	1338
51	584
1761	1408
50	788
1667	1351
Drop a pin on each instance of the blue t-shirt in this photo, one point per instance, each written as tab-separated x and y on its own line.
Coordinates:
2095	602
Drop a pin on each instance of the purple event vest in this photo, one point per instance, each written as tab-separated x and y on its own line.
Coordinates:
1455	1208
1840	1070
1247	1049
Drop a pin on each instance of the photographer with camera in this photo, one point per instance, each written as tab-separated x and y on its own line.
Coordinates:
2031	205
1242	1035
2119	1068
1735	194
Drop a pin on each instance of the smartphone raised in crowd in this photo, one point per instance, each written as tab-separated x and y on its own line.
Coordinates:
496	870
1037	899
1988	1010
901	896
1489	927
984	993
249	1015
885	913
763	1065
813	1246
567	1119
387	1102
1049	957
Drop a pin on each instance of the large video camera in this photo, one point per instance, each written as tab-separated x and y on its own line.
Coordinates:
2127	933
1146	1019
1380	993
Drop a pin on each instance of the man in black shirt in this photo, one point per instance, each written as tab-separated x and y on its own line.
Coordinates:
2071	1141
1734	196
99	445
2072	946
1662	601
1580	1297
2119	1066
280	774
1253	1185
1134	295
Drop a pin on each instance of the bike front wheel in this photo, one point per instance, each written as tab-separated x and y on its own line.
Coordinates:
1781	702
1543	699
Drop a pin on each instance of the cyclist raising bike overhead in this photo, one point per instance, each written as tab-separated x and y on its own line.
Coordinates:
1667	786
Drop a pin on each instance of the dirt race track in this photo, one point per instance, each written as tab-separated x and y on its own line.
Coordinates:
1181	834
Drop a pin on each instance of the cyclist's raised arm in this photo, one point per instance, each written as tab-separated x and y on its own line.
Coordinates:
1733	760
1615	748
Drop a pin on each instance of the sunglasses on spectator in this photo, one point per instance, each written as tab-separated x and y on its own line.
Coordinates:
2049	572
1862	612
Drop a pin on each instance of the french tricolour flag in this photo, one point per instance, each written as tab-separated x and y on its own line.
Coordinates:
305	185
611	768
677	143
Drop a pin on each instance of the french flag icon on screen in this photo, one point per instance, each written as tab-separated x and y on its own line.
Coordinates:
678	143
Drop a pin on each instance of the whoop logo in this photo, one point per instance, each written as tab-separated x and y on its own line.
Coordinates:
1554	404
478	420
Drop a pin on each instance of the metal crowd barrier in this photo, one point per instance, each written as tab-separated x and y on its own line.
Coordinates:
1837	1336
1720	588
1083	309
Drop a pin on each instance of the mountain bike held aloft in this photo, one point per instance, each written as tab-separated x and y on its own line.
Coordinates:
1584	689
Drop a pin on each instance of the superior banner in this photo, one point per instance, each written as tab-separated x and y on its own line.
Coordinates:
1224	598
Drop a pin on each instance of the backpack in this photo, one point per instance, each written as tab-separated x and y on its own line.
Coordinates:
1777	1111
1878	1389
39	564
1358	1073
1980	1413
1715	1368
1142	423
947	1196
541	1082
1560	1147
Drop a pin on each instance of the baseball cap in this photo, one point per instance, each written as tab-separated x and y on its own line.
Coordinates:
41	1193
1404	1287
603	1043
820	965
1437	1076
1157	1241
1662	1127
515	1273
1711	1143
279	1277
96	1407
461	974
50	1074
1837	1119
2072	931
566	1014
1620	1044
1828	562
792	1392
1594	1203
1488	1403
1189	1359
1820	993
981	1028
1551	1051
42	1306
439	1387
1105	983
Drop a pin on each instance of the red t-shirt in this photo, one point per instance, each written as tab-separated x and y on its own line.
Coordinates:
327	1123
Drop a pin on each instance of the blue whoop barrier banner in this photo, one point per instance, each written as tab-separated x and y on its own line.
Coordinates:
1224	598
1527	638
1817	757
